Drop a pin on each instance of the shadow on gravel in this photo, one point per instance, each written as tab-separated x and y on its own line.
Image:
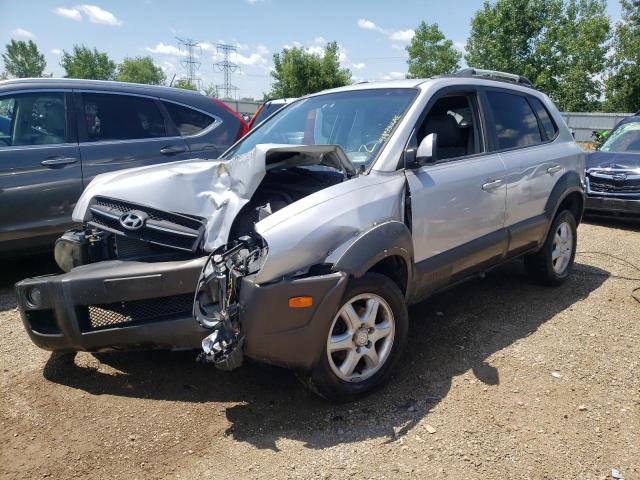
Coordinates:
450	334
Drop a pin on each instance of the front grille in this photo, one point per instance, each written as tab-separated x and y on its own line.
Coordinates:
161	228
134	312
614	182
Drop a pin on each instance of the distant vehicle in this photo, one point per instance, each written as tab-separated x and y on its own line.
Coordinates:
613	172
267	109
57	134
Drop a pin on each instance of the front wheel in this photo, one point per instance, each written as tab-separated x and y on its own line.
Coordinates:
364	341
553	263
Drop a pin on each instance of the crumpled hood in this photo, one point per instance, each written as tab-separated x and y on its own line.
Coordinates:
599	159
213	189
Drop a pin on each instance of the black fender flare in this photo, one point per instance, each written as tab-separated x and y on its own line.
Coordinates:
567	184
387	239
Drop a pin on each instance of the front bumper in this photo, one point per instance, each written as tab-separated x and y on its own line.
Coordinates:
125	305
606	205
113	305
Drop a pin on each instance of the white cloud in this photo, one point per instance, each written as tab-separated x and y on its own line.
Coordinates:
393	76
460	46
56	51
21	32
397	47
254	2
252	59
262	50
320	39
316	49
207	47
402	35
369	25
72	13
99	15
394	35
93	12
358	66
164	49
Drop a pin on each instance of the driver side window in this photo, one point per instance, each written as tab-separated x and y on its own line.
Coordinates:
33	119
453	118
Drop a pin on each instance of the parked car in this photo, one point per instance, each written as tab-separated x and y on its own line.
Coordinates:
613	172
56	135
307	254
266	109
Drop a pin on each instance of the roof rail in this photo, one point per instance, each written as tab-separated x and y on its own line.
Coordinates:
493	75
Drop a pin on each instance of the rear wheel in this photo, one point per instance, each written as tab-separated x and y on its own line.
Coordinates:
552	264
364	341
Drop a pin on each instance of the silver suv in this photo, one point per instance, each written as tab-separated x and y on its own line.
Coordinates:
304	243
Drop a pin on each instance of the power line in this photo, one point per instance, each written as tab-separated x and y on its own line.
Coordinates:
227	67
190	63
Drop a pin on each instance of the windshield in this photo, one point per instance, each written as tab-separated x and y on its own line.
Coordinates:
624	139
359	121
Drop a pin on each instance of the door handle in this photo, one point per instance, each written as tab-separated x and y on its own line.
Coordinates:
554	169
491	184
58	161
171	150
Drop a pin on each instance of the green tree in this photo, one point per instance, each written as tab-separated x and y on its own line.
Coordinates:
622	85
298	72
210	90
430	53
23	59
84	63
140	70
184	83
560	45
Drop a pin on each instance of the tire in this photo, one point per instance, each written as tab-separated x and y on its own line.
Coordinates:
553	263
359	339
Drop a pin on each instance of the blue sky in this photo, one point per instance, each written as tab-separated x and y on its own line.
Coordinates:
371	34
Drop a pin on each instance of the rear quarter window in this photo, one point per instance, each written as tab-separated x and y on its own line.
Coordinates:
187	120
549	127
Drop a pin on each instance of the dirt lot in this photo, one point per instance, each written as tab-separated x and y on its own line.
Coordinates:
502	379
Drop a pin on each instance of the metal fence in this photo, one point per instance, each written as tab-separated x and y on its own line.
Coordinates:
583	123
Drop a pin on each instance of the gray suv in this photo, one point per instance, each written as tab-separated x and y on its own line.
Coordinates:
56	135
304	243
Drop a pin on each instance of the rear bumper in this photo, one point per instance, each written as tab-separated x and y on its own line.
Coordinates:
611	205
113	305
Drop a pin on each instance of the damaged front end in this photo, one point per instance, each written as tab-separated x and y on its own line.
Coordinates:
216	303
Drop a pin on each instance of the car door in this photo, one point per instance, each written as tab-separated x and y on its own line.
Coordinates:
40	172
458	202
120	131
522	132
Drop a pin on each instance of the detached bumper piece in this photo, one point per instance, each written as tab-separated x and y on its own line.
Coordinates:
113	305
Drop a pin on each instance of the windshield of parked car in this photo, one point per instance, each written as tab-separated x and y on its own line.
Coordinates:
624	139
359	121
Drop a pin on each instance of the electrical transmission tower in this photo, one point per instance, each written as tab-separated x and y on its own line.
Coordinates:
190	63
227	67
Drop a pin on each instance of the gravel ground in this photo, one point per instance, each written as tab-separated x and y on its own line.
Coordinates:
502	379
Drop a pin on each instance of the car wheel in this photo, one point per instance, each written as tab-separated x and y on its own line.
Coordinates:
364	340
553	263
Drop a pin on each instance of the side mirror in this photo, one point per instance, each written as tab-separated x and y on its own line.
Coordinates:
427	149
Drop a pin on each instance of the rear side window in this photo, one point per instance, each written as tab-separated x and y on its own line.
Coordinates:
33	119
548	125
514	121
187	120
121	117
267	110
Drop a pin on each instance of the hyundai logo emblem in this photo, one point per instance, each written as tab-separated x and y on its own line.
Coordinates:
619	177
133	220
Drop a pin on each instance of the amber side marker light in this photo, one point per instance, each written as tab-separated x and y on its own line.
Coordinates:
300	302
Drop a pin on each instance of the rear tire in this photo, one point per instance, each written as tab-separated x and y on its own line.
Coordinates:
553	263
363	342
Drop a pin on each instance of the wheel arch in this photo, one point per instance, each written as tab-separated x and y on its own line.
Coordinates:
386	248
